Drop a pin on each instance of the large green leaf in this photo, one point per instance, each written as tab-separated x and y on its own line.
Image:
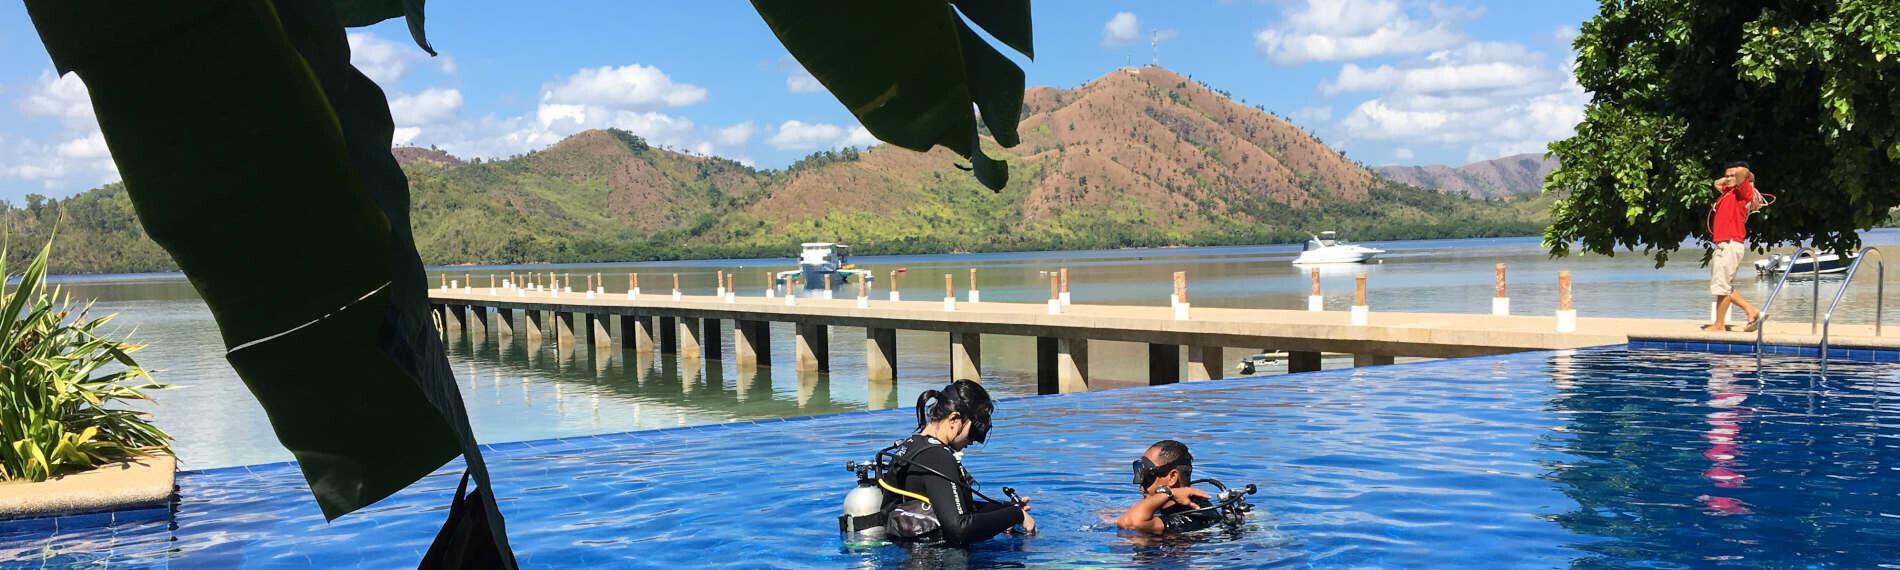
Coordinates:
358	13
911	71
275	206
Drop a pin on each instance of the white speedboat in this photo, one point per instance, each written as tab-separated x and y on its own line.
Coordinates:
824	261
1778	264
1328	248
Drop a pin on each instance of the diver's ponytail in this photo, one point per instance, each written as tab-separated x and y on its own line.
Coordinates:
923	401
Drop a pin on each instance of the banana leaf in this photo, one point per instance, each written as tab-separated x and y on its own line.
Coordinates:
259	159
911	70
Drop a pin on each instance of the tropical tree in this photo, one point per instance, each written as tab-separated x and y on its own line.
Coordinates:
1806	91
253	151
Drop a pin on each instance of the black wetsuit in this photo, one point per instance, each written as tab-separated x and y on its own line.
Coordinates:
963	519
1177	518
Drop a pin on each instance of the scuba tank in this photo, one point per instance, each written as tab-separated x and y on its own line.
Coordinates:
863	516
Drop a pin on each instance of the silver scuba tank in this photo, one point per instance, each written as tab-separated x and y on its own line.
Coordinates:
863	511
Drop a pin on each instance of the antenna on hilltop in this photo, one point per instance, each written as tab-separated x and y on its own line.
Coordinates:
1154	45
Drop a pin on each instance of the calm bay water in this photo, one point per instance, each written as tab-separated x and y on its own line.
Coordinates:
516	392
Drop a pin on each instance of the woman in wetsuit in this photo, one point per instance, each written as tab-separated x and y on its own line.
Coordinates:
932	499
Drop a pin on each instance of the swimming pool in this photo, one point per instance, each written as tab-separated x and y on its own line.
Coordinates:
1603	457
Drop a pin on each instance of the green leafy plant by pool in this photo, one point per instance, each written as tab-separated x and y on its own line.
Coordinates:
59	385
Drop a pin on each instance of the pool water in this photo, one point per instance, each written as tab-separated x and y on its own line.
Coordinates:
1593	458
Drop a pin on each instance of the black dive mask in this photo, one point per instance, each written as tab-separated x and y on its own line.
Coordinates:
979	427
1146	471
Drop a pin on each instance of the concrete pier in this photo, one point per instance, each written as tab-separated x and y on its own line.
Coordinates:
692	326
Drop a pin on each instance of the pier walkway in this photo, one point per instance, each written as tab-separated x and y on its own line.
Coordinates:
693	325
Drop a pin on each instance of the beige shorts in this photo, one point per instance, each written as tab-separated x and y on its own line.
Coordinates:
1727	259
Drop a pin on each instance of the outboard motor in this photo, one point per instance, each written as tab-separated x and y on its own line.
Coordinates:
863	517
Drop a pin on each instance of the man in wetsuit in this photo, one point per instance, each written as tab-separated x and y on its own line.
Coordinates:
1168	503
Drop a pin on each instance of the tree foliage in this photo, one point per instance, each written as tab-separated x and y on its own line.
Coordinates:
1808	92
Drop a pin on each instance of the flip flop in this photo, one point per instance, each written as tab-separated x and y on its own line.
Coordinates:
1754	323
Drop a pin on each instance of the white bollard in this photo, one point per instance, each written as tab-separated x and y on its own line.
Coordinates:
1361	315
771	293
790	299
455	284
731	297
720	291
1065	298
1315	303
949	304
1180	311
1566	311
1730	316
1055	307
634	294
864	302
590	294
676	295
1567	320
601	289
975	297
1501	306
894	296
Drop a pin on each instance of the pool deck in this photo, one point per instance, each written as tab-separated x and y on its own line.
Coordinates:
1384	335
142	481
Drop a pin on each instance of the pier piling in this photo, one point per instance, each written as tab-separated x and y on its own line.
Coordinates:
1566	313
1314	302
1361	314
812	343
880	354
966	356
1064	274
974	295
1500	299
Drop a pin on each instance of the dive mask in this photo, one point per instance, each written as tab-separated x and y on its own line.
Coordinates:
1146	472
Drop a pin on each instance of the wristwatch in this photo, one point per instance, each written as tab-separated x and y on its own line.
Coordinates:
1166	491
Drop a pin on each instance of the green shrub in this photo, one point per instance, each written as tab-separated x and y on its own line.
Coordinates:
58	384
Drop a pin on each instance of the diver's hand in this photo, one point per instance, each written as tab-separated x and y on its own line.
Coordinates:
1185	496
1025	502
1029	523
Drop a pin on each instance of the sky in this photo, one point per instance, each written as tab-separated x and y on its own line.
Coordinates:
1384	81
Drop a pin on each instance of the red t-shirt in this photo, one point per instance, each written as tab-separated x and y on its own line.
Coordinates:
1731	214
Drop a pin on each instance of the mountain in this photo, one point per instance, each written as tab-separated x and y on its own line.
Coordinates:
1138	157
1515	175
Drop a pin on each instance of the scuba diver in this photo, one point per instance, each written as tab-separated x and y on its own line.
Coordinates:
1170	503
916	490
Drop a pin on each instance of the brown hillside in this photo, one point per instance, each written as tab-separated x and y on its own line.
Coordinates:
1143	138
648	189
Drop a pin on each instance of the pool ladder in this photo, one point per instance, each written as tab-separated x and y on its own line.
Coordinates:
1817	321
1880	290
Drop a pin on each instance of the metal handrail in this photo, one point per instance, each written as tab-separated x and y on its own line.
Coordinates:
1880	288
1762	316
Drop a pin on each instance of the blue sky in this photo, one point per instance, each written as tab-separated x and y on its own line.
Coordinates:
1386	81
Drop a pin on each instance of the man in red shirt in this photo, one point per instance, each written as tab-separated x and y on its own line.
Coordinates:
1728	229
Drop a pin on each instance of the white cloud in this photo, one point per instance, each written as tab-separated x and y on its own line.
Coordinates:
1314	114
1445	91
386	61
1342	30
431	106
636	87
799	135
1121	30
735	135
80	160
1435	78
